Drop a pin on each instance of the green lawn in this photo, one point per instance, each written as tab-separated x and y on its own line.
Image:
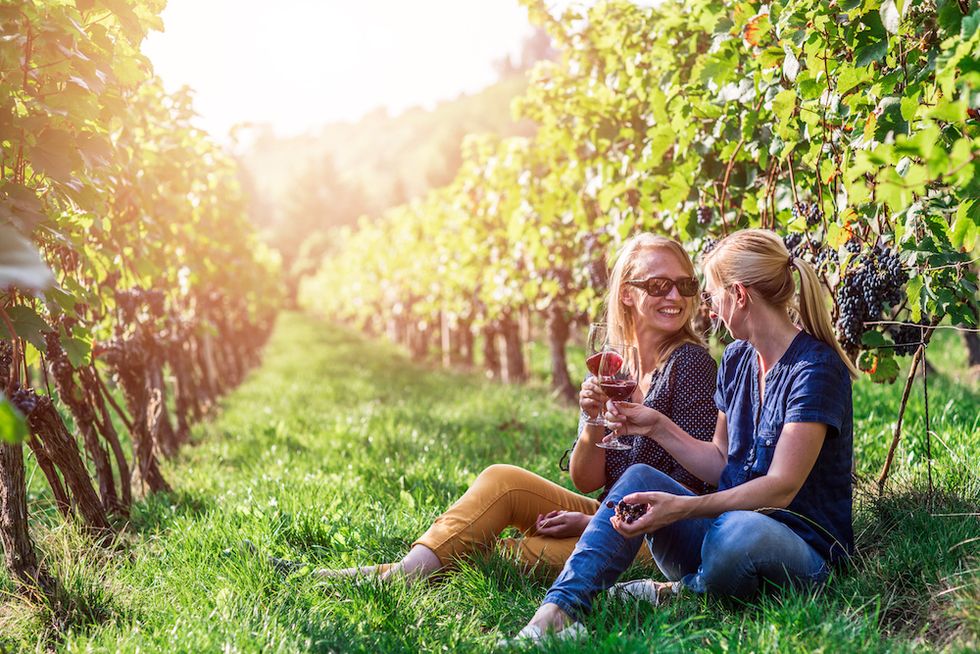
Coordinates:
341	451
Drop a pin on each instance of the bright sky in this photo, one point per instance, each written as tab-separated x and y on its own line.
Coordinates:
299	64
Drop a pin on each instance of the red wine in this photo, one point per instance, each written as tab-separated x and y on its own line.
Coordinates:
619	390
613	363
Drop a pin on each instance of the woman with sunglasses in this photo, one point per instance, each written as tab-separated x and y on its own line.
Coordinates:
651	303
781	454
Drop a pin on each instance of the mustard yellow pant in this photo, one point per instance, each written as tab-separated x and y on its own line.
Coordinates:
507	496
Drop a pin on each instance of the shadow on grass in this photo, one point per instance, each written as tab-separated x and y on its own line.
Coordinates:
83	598
911	549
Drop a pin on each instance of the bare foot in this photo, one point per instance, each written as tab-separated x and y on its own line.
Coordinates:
419	563
549	617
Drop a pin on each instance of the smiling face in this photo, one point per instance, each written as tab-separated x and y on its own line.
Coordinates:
665	315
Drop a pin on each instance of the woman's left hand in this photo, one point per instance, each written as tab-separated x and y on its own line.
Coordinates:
562	524
662	509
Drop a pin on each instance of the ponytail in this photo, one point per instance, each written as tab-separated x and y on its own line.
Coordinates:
813	312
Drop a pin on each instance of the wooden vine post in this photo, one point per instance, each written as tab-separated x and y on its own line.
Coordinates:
909	381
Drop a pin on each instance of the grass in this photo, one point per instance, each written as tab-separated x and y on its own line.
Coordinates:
341	451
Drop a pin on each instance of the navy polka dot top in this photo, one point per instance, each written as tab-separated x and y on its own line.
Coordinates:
683	390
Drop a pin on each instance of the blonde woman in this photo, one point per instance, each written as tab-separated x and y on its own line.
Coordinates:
781	454
652	299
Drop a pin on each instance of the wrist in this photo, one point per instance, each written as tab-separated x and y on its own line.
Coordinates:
593	433
688	506
653	426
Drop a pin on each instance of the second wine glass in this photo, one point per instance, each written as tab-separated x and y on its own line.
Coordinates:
619	373
593	354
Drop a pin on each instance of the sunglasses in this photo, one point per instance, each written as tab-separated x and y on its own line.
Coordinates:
660	286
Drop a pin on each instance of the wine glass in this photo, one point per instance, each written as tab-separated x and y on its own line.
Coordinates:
593	354
619	373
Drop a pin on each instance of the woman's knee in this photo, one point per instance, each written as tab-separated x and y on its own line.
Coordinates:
739	531
729	548
502	475
744	548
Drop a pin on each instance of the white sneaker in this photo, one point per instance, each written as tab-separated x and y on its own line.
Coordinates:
532	635
646	590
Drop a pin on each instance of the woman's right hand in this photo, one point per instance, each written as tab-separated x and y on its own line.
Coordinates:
631	418
591	399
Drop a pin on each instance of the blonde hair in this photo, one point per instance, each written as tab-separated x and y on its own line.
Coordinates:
619	317
758	258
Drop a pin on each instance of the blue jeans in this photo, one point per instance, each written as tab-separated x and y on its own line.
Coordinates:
730	555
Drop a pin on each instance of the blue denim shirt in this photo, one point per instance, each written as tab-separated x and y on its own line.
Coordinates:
809	383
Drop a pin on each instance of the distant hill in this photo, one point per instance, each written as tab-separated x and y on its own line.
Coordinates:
391	158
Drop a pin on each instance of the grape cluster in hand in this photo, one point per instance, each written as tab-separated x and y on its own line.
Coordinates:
810	211
865	290
628	513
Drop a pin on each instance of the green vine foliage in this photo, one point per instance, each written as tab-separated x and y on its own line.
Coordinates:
694	119
105	172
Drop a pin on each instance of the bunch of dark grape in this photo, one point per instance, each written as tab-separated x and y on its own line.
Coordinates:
792	241
128	303
704	215
60	365
25	399
825	259
894	275
628	513
810	212
708	246
156	301
906	337
813	251
865	290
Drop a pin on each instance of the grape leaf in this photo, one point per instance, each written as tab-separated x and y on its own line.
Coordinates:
791	65
872	52
886	372
890	16
873	338
13	429
914	292
27	325
77	349
867	361
54	154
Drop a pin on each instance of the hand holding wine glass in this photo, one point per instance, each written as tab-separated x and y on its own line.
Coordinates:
618	375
